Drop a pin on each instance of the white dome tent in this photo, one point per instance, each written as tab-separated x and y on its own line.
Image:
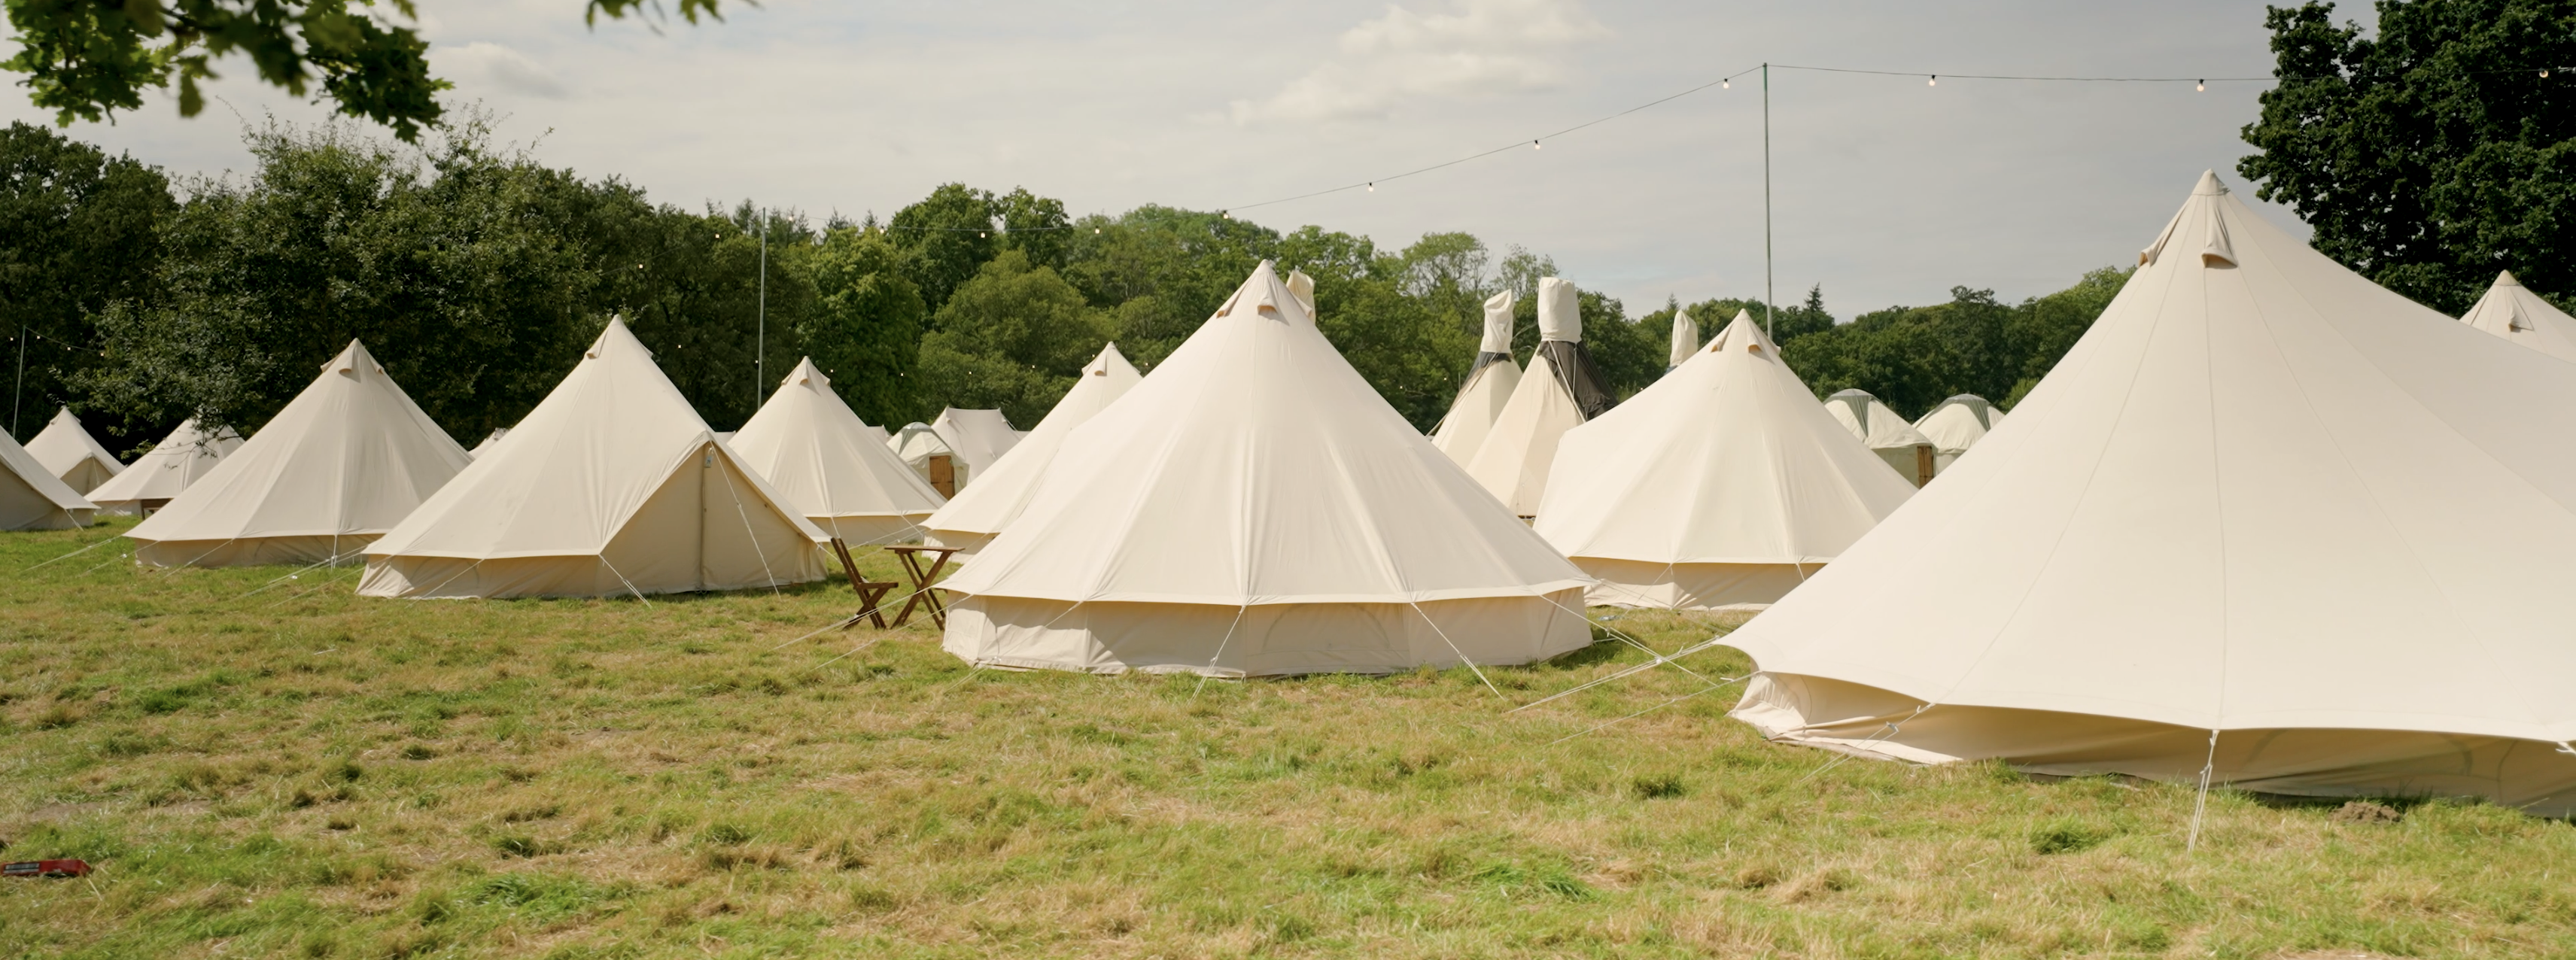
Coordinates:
169	467
1956	424
72	455
815	451
1906	450
611	485
32	498
1489	385
1561	389
2267	523
980	512
2510	310
1253	507
342	463
1722	486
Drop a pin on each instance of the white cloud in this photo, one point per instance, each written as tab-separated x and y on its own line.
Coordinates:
1479	48
502	67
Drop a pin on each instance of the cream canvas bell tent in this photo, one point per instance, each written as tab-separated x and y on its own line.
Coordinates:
1253	507
2266	519
835	468
981	511
169	467
1561	389
979	438
32	498
72	455
1955	425
611	485
1490	382
1685	339
1906	450
2510	310
337	467
1722	486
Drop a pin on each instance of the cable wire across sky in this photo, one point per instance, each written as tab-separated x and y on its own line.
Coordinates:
2200	83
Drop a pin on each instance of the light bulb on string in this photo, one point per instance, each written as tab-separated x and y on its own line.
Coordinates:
1372	186
1726	84
2200	86
1934	82
1533	144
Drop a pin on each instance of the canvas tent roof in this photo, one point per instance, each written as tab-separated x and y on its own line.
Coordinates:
71	454
1878	426
337	467
1254	507
1489	385
169	467
32	498
1685	339
2262	496
979	437
1561	389
611	485
1722	485
1956	424
835	468
998	497
2510	310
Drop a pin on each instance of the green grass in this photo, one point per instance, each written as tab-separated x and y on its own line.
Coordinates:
304	773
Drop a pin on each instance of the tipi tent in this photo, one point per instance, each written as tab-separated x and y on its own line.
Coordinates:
2266	519
2510	310
344	461
169	467
981	511
71	454
1722	486
32	498
1955	425
1685	339
1561	389
1253	507
1911	454
836	469
611	485
1489	385
978	437
490	440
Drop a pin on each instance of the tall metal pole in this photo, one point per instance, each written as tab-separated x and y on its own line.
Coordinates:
18	394
760	358
1768	296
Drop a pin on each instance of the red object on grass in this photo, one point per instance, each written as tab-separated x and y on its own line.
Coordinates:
46	868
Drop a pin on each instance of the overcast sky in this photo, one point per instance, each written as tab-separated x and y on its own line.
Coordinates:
1887	190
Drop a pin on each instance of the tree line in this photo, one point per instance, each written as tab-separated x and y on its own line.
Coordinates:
476	274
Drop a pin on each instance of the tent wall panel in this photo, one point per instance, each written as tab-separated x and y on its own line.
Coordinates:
1267	639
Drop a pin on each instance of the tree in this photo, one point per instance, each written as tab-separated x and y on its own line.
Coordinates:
1915	357
1013	337
866	330
948	236
449	270
2435	155
78	230
87	59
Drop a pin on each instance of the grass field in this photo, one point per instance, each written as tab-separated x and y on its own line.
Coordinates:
300	772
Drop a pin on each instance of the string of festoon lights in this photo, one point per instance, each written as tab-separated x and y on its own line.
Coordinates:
1370	184
2199	84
